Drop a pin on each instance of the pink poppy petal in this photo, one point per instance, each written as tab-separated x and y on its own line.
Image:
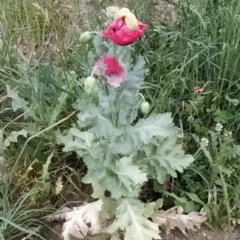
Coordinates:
115	80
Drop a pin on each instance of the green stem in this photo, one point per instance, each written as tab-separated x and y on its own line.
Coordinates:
143	98
114	50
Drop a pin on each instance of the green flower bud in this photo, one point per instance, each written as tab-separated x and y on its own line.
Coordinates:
89	84
85	37
145	107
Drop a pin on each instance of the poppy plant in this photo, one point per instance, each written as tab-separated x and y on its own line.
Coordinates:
119	32
111	69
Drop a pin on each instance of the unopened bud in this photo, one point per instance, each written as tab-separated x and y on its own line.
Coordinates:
145	107
89	84
85	37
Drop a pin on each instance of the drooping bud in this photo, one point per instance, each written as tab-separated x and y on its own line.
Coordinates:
85	37
145	107
89	84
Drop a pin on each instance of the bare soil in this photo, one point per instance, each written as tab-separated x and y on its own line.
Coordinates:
202	234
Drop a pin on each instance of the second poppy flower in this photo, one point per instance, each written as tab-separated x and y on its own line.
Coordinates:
111	69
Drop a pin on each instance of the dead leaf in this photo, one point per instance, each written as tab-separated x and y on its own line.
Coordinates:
80	221
175	218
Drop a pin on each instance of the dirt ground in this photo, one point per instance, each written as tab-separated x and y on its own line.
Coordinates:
202	234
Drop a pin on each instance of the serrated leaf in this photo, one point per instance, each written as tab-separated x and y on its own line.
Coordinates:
152	207
174	218
86	116
106	101
14	137
20	103
127	96
160	125
109	204
168	158
143	132
75	140
103	127
17	102
128	174
129	217
114	178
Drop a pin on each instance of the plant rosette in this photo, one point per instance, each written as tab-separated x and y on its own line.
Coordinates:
120	149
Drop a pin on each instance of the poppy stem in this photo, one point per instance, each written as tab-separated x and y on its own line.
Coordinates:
114	50
95	32
143	98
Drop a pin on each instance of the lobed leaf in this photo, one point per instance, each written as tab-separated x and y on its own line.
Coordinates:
130	217
174	218
167	159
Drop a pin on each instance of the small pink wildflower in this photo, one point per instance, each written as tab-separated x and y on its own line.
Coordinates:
167	185
198	89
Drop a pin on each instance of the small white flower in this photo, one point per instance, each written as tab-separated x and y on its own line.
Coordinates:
147	72
204	142
180	133
227	134
190	118
218	127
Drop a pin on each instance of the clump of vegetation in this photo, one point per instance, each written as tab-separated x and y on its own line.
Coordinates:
133	124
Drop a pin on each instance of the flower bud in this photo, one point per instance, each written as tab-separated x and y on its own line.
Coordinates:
85	37
89	84
145	107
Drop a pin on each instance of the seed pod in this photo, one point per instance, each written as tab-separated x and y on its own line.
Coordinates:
145	107
111	11
85	37
89	84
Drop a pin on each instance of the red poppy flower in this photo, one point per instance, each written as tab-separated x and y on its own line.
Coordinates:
198	89
119	32
167	185
111	69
